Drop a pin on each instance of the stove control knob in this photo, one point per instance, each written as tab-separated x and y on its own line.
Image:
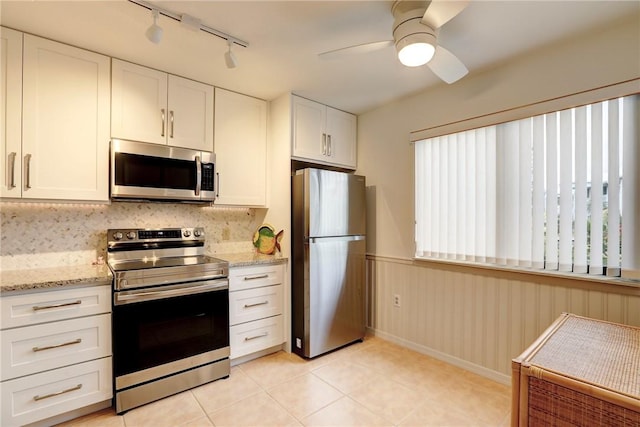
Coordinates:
186	233
198	233
131	235
118	235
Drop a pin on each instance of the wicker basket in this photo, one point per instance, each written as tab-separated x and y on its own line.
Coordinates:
579	372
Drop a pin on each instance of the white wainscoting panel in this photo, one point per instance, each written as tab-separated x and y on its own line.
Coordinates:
480	319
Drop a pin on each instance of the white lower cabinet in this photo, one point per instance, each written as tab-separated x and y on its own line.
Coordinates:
256	307
37	348
250	337
56	353
44	395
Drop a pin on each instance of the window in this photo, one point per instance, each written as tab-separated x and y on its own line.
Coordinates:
542	192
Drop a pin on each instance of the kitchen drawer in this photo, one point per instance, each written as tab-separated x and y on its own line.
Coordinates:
42	347
255	336
254	304
29	309
40	396
255	277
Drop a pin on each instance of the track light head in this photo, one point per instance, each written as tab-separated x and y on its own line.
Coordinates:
154	32
229	57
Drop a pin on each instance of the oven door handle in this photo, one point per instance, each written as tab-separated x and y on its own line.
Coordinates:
191	288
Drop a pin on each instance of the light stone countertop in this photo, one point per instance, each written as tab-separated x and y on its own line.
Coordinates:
246	259
40	279
14	281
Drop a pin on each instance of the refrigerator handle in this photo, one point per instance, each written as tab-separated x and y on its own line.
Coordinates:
334	239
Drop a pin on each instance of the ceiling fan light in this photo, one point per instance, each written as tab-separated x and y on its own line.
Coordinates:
416	54
415	42
154	32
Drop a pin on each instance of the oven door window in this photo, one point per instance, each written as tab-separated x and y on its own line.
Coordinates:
151	333
135	170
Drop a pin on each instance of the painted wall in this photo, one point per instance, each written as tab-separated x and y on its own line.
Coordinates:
479	320
385	156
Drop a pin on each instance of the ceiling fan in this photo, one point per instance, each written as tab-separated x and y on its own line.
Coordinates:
415	35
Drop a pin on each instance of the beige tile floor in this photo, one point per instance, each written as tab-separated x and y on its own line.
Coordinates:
373	383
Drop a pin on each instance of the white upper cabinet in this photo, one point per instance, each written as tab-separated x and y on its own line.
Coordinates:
341	135
241	149
65	122
10	112
309	135
153	106
139	103
190	123
323	134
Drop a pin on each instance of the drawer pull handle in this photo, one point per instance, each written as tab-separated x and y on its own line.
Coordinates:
49	347
256	304
58	393
256	336
262	276
64	304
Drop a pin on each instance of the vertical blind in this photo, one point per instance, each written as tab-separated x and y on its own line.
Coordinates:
541	192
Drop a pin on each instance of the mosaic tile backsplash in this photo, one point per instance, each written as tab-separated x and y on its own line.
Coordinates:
41	235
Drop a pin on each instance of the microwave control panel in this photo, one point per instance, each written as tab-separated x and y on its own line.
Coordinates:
207	176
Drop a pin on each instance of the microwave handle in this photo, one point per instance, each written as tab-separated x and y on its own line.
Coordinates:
198	175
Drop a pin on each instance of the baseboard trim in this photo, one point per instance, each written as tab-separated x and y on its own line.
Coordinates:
71	415
243	359
471	367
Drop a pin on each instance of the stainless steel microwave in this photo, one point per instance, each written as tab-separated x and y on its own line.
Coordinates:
144	171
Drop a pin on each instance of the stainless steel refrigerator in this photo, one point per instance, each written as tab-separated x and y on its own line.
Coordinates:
328	259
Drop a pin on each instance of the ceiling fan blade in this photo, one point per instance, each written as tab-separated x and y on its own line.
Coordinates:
355	50
440	12
447	66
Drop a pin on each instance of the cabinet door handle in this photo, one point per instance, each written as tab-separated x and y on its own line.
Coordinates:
162	117
171	121
256	336
256	304
324	144
12	169
64	344
262	276
217	184
58	393
64	304
198	172
27	170
329	148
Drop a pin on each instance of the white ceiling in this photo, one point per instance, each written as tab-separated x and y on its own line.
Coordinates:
286	36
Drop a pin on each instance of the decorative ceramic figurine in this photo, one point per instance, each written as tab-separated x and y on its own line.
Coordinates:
266	240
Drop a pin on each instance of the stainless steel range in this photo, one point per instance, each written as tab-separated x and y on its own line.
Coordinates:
170	313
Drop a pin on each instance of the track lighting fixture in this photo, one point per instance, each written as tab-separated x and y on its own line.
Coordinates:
230	57
154	32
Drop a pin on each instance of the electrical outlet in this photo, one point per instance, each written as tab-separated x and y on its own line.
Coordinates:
298	343
396	300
